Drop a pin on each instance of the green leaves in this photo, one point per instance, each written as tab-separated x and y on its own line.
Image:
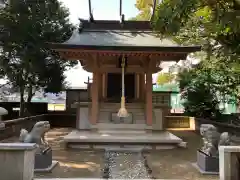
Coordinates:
208	84
164	78
171	15
26	60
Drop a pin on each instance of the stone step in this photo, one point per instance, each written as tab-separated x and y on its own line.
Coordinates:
107	126
119	131
117	105
135	114
81	179
138	117
117	109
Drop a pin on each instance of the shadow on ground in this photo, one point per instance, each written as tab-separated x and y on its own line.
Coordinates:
165	164
177	163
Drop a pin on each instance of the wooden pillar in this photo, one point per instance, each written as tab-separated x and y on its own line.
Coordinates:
100	84
137	86
104	85
95	91
149	106
142	87
95	98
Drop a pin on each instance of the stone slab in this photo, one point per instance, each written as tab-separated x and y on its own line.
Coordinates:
2	125
162	147
229	162
86	179
104	146
125	149
207	163
138	146
229	149
204	172
96	137
17	146
79	146
43	160
17	161
117	120
48	169
182	145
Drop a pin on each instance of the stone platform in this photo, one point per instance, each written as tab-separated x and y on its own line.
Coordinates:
84	179
125	139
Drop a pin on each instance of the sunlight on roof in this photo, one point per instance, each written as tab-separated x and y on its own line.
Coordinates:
83	137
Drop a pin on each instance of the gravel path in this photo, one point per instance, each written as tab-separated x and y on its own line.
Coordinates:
126	165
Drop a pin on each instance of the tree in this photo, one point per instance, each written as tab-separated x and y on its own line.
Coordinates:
26	60
214	25
145	7
205	86
200	99
216	20
164	78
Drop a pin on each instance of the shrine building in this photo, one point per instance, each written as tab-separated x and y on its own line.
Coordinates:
121	56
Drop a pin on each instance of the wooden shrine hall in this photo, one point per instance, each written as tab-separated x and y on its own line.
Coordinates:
122	58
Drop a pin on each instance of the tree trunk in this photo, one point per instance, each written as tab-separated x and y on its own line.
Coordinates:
30	94
22	102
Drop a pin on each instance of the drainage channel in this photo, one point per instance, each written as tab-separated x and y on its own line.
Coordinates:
126	164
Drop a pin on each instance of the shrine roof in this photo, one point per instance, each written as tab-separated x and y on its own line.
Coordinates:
111	35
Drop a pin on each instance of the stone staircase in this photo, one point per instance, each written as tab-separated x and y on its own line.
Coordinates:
108	113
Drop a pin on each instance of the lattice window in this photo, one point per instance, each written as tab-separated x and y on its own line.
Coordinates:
159	98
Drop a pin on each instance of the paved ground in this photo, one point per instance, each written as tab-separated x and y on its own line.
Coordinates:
169	164
176	163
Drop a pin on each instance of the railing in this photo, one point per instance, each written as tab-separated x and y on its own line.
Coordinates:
221	126
13	127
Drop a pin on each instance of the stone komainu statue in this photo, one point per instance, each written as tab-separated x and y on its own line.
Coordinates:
212	139
36	135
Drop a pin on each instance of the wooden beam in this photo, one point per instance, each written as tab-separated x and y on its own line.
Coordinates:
95	62
139	70
82	53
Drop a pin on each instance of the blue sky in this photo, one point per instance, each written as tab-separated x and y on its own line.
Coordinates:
102	9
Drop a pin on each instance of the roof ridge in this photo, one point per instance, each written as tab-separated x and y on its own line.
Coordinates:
117	30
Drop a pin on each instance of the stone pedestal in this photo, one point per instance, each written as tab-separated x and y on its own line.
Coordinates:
83	120
2	125
229	161
158	123
17	161
44	162
207	164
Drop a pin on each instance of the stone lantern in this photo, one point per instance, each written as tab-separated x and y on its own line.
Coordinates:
3	111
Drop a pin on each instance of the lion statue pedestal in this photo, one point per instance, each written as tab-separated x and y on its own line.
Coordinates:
43	156
43	160
208	154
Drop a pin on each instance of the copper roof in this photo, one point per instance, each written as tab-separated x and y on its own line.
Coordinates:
112	35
